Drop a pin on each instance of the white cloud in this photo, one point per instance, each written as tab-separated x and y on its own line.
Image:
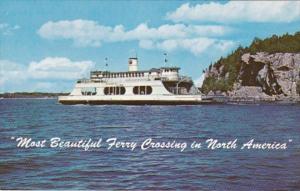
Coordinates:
146	44
238	11
6	29
59	68
82	32
90	33
143	32
194	45
48	74
10	71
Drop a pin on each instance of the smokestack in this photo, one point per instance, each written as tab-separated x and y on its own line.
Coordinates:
132	64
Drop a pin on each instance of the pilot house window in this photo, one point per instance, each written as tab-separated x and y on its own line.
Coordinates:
142	90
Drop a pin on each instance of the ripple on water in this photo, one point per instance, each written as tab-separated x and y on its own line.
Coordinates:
121	169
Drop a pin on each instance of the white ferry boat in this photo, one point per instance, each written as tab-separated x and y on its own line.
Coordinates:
157	86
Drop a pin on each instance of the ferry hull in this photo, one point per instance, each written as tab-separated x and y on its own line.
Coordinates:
170	100
145	102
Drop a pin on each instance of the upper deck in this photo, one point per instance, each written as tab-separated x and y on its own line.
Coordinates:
170	74
167	73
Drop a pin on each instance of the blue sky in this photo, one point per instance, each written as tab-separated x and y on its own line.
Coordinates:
47	45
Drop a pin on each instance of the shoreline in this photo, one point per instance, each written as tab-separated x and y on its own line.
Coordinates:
207	99
31	95
1	98
212	102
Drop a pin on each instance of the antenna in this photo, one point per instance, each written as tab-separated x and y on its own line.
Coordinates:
133	53
106	62
166	60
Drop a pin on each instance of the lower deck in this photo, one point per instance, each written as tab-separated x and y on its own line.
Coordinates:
134	100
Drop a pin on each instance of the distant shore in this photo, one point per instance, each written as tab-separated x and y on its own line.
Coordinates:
31	95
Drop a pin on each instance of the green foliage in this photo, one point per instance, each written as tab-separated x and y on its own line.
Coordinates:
210	83
231	66
232	63
284	43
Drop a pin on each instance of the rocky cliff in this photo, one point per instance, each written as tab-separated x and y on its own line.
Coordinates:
267	69
262	76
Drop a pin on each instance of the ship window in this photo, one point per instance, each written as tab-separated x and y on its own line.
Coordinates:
142	90
123	90
106	90
118	90
148	89
136	90
89	91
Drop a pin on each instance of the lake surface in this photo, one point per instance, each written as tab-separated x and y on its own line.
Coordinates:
150	169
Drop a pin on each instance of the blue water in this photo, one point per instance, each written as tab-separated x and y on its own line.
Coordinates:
152	169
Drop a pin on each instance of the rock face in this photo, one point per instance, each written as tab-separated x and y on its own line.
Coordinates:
266	76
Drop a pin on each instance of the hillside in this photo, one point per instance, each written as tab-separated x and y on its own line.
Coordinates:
269	67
